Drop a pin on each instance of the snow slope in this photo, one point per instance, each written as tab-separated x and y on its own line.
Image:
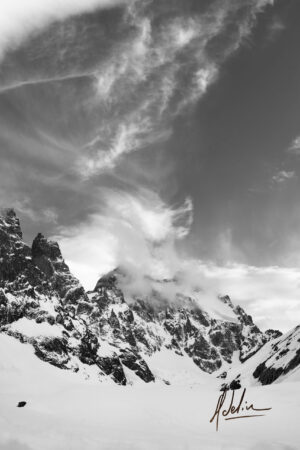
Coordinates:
30	328
64	412
277	361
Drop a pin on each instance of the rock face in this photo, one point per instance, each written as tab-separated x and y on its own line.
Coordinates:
277	360
282	359
42	303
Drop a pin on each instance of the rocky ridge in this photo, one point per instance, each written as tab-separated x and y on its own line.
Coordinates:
43	304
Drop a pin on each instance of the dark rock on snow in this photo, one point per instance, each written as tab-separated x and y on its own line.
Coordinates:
21	404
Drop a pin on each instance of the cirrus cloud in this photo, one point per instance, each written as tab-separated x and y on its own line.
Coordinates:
283	175
148	65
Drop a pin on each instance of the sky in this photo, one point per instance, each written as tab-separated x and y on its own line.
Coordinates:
160	136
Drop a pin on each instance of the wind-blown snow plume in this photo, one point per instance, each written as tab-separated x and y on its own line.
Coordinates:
133	231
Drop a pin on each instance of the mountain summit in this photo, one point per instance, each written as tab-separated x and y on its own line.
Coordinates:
105	334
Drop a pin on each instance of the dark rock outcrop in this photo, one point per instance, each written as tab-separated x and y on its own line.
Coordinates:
21	404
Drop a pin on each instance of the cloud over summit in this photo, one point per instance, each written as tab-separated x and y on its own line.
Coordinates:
137	231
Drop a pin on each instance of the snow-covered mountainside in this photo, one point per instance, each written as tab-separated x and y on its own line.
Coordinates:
276	361
117	338
65	411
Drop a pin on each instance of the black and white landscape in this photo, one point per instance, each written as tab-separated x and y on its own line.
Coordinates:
149	224
96	339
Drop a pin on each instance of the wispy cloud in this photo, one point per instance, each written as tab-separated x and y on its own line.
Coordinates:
138	231
294	148
275	28
151	65
282	176
165	68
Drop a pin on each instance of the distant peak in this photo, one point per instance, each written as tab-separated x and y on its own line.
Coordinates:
10	222
226	299
273	334
110	279
44	247
8	212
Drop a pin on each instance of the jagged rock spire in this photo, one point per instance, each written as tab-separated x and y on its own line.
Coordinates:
10	222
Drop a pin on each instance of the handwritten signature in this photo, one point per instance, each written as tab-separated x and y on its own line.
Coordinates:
228	413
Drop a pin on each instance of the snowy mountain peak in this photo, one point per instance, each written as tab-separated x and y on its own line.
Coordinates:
106	333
